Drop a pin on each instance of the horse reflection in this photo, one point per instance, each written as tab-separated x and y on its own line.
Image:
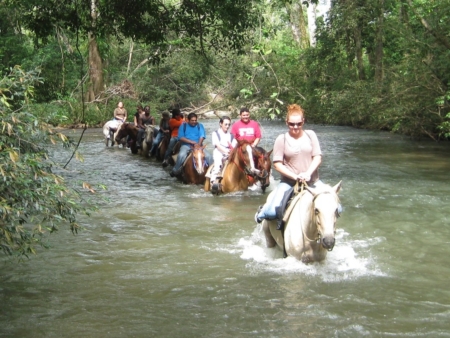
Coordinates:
309	226
194	167
240	170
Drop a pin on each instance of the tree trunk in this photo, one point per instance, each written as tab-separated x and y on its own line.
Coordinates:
359	53
312	24
379	72
130	56
95	61
298	23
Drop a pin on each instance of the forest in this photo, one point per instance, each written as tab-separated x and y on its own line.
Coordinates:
375	64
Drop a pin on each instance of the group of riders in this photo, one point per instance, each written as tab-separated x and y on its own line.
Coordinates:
296	153
191	133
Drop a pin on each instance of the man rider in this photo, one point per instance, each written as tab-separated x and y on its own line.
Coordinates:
190	134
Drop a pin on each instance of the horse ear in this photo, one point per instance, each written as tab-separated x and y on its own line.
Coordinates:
337	187
269	153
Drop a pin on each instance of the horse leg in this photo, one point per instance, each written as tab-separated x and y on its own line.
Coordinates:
270	241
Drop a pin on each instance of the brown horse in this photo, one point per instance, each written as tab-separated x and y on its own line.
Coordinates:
194	167
264	165
129	129
161	151
240	166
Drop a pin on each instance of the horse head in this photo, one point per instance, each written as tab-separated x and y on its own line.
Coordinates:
264	165
325	212
198	158
121	132
242	156
149	133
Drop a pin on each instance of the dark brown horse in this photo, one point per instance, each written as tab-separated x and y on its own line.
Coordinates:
194	167
240	170
162	147
129	129
264	165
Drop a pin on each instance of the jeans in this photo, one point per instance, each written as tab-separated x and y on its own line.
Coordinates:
172	142
268	210
156	142
140	135
184	151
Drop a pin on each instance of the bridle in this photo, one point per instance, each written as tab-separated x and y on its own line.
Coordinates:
318	237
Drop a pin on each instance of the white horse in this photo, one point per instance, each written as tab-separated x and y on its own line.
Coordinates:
110	130
148	140
310	224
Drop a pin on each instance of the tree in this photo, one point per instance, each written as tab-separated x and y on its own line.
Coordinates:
33	198
201	24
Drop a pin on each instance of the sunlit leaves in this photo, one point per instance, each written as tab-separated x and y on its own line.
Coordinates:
32	197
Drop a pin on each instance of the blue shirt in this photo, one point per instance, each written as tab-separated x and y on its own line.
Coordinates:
192	133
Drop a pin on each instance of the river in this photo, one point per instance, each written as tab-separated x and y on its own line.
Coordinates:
163	259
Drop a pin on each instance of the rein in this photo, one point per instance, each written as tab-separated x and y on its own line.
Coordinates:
241	158
195	162
298	190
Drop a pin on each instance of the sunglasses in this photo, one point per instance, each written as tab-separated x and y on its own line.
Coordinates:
293	124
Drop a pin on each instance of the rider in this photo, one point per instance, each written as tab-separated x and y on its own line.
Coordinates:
174	123
222	141
191	134
120	113
163	130
246	129
297	157
143	119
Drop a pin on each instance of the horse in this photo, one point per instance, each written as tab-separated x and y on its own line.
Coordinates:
264	165
128	129
309	224
148	140
162	147
194	167
239	170
110	130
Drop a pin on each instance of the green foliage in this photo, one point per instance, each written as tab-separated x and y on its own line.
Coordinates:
33	199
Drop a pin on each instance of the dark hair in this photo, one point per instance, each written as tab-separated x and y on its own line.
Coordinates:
147	108
244	110
191	115
176	112
223	118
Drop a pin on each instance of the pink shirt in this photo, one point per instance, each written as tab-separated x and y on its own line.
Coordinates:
246	131
297	154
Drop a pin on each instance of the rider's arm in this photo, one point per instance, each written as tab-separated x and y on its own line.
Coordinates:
255	142
303	176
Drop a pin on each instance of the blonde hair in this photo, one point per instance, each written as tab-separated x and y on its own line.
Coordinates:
294	109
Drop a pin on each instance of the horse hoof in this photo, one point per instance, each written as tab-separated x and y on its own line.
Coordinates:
165	164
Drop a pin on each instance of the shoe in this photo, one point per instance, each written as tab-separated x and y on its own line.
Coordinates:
165	164
172	174
257	219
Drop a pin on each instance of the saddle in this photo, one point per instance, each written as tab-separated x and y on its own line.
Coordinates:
283	211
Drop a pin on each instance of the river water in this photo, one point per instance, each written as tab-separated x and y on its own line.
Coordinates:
163	259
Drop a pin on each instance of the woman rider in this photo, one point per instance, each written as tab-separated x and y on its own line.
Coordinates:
222	141
296	156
